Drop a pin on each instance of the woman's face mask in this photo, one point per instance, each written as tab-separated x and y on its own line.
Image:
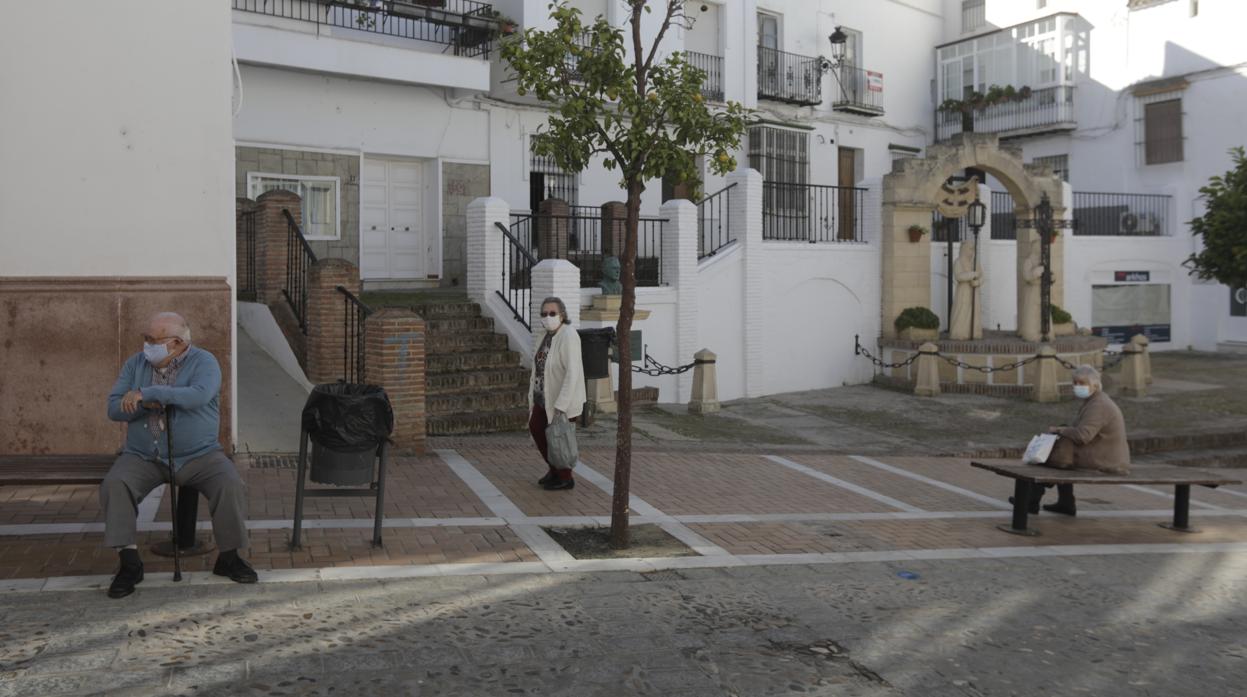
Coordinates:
1082	391
551	323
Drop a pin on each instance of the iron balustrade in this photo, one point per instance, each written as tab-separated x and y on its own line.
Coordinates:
1004	220
1113	215
579	239
712	66
299	258
789	77
517	268
467	27
356	313
246	255
857	92
1048	107
812	212
713	218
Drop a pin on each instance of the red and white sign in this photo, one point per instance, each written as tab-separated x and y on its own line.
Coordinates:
874	81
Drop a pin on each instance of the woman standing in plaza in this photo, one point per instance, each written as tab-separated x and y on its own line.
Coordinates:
557	388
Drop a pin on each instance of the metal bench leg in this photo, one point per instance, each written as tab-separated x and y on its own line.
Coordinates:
300	477
380	514
1181	509
188	541
1021	500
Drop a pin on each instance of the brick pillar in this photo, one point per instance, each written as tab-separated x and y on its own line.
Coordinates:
552	232
326	318
394	341
614	227
485	247
745	224
555	278
271	242
679	271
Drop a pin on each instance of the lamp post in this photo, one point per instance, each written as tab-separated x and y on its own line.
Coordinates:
978	216
1047	227
839	44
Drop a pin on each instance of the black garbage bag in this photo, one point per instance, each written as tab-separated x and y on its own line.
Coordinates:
347	417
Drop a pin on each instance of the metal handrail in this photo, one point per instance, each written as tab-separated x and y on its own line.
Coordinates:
517	273
789	77
299	258
714	231
353	355
247	289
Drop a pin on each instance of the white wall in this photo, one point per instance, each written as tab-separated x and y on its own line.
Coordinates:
116	140
721	318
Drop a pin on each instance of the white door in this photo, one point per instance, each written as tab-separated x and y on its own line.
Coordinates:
395	241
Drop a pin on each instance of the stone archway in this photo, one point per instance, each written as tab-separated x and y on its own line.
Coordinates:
909	196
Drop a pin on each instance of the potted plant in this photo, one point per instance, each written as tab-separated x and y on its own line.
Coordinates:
916	232
1062	322
917	324
978	101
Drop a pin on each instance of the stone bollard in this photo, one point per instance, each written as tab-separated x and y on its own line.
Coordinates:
1046	389
928	384
1133	378
1146	358
600	393
705	384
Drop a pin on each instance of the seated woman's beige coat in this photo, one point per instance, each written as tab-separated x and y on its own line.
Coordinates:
565	375
1096	441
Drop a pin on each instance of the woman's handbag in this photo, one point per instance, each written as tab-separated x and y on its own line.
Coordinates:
561	443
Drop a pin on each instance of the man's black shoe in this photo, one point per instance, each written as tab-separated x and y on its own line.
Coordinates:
129	575
234	567
557	484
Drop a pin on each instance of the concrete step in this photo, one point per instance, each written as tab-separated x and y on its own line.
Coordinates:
462	324
511	377
478	402
470	360
447	310
459	342
480	422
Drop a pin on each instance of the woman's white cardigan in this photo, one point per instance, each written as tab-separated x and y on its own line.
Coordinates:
565	375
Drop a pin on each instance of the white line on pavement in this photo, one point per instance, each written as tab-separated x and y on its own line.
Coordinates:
850	486
997	503
1166	495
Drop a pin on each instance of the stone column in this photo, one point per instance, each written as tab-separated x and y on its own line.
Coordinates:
906	265
554	278
745	226
1046	389
705	384
326	318
272	242
394	346
679	271
1133	371
1145	356
485	247
928	384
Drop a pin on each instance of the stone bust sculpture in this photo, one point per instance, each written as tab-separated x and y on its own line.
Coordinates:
610	277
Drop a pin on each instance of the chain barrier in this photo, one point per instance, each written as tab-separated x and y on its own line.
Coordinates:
860	350
986	369
655	369
1111	360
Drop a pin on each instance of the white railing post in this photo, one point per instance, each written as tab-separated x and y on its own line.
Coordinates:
745	223
485	247
679	272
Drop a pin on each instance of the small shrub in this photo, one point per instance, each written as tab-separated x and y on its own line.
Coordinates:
1060	316
918	317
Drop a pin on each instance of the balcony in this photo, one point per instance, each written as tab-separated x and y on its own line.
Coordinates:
1045	111
788	77
712	66
461	27
860	91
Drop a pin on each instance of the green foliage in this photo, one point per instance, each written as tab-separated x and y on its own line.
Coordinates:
979	100
917	317
647	116
1060	316
1223	227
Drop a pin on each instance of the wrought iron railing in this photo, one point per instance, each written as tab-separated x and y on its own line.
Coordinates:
813	212
788	77
1048	107
1004	221
712	66
580	240
517	268
354	363
299	258
1113	215
858	90
713	218
572	61
245	251
466	27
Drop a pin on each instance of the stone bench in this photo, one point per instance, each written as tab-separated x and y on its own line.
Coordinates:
1027	476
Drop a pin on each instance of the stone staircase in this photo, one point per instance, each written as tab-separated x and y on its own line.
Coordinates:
474	384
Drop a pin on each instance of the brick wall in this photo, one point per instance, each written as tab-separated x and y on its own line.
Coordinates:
461	184
394	346
326	318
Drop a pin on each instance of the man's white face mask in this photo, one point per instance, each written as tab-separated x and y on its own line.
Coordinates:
155	353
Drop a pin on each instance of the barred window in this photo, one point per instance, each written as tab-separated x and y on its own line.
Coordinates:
781	155
1162	131
973	15
548	180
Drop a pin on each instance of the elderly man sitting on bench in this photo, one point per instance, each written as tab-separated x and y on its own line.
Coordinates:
1096	441
170	371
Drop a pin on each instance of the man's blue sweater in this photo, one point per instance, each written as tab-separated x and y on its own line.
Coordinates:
195	396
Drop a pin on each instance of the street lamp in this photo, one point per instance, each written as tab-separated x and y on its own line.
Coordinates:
838	40
977	217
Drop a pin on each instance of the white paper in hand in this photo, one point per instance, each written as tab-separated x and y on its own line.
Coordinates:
1039	449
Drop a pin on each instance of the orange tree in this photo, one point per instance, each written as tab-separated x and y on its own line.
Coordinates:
1223	227
613	94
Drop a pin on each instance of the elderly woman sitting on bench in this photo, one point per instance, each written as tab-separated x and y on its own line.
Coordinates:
1096	441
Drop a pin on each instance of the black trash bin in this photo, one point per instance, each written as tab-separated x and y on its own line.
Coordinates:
595	351
347	423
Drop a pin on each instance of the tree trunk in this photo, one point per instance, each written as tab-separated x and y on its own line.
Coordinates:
623	436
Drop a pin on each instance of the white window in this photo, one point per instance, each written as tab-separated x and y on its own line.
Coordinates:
320	195
973	15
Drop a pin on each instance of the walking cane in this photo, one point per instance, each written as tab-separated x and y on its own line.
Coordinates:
173	495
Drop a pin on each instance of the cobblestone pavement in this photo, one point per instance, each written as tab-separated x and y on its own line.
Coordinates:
1128	625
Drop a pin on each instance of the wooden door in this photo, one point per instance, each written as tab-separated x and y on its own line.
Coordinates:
847	204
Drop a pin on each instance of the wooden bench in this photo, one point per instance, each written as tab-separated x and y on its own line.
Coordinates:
55	470
1027	476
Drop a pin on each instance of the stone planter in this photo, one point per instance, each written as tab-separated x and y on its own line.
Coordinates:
915	334
1064	329
915	236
